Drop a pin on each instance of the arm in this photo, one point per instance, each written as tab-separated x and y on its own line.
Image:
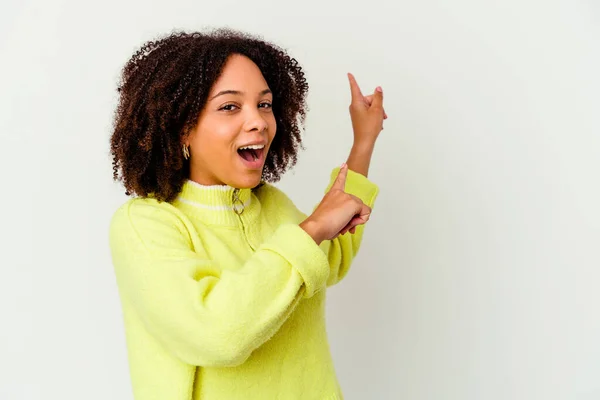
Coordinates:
342	250
359	159
367	116
200	311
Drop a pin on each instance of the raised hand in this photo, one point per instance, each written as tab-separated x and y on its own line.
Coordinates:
367	113
337	213
369	99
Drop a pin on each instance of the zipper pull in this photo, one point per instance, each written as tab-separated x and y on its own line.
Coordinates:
237	203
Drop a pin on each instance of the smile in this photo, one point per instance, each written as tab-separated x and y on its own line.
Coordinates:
252	155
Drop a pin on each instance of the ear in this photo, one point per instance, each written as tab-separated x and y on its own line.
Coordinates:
185	138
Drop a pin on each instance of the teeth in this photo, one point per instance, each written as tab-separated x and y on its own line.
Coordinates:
253	147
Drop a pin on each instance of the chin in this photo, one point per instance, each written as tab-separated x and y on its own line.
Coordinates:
248	181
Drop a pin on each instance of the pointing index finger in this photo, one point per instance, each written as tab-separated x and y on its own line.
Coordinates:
354	89
340	181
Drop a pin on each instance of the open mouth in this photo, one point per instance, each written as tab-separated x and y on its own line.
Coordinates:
252	155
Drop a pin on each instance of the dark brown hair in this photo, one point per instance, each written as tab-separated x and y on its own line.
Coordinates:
164	87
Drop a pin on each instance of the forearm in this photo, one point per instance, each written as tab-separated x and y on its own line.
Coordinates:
359	159
342	250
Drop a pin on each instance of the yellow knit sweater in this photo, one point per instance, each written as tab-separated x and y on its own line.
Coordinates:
223	294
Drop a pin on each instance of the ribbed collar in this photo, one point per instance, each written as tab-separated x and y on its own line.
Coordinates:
219	204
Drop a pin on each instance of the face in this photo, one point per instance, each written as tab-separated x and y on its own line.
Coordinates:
235	129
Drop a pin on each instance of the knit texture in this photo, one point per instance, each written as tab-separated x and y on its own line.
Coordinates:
223	294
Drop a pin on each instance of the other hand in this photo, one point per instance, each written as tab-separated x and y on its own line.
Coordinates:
367	113
338	212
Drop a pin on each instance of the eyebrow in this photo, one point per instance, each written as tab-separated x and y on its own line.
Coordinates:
237	92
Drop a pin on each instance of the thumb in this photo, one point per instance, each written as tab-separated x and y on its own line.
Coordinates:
377	98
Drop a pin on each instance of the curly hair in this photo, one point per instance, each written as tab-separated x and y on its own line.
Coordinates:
164	87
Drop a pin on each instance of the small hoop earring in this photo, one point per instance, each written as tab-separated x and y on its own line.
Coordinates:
186	152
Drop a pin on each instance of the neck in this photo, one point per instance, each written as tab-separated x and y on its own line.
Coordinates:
221	204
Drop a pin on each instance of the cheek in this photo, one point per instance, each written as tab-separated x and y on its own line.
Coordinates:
216	138
272	126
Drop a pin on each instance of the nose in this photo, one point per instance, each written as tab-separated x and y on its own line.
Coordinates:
255	122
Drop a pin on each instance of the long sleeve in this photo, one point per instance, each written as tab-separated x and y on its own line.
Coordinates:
342	250
204	313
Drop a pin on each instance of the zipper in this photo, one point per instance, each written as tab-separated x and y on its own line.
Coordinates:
238	208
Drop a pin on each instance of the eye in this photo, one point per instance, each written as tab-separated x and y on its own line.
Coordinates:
228	107
265	104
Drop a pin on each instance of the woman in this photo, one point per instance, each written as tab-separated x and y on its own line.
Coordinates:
221	278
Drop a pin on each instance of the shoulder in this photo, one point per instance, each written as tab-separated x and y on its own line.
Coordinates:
142	211
274	200
268	193
148	222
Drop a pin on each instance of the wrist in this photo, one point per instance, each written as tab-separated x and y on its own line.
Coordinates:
363	146
312	229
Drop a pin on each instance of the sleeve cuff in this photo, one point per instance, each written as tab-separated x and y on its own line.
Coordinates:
357	185
303	253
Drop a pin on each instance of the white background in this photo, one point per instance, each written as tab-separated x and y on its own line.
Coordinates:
479	274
